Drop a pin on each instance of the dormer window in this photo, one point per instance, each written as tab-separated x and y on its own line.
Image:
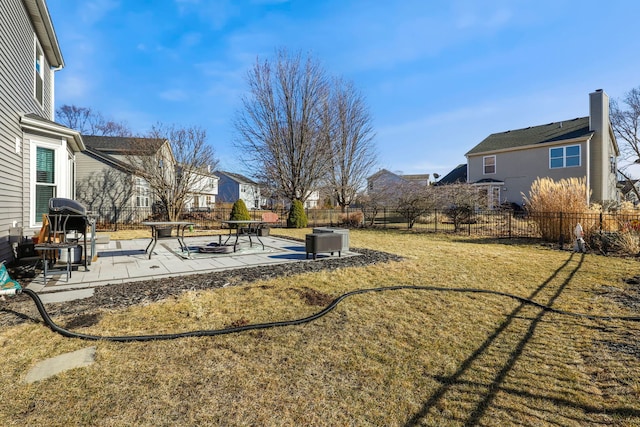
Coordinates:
39	74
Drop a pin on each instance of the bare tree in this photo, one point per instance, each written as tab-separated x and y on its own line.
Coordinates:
173	161
353	154
372	204
89	122
459	202
625	121
283	129
415	200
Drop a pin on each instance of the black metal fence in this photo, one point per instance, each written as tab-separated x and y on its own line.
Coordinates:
550	226
132	218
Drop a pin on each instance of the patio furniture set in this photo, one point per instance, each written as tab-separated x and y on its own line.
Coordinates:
68	238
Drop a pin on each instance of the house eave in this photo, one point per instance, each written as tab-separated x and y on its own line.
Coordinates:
612	136
43	26
530	146
73	137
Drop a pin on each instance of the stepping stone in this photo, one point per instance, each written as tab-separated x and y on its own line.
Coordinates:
65	296
55	365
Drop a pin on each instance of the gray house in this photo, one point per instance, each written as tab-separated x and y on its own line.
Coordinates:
504	165
233	186
38	155
107	183
384	184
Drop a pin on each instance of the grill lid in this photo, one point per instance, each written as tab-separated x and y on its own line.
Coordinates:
59	205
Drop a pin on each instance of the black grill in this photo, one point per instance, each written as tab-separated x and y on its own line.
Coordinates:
78	220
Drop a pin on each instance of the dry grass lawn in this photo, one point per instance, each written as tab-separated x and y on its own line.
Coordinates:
394	358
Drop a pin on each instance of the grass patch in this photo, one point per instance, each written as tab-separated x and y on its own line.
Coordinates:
390	358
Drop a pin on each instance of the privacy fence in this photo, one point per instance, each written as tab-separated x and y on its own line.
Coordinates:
549	226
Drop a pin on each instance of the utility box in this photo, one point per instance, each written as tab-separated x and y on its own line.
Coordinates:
323	242
343	232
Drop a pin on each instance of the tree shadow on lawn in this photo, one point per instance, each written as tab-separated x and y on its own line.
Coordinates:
479	404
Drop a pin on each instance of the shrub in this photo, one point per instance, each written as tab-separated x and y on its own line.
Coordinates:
239	211
566	196
610	242
297	217
352	219
459	214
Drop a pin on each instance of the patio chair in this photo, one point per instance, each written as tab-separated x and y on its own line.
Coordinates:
268	219
52	240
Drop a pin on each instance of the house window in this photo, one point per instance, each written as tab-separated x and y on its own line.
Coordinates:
45	180
39	74
612	164
564	157
142	193
489	164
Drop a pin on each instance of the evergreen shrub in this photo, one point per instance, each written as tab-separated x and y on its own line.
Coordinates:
239	212
297	216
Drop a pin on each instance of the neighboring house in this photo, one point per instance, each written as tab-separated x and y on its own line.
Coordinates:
456	176
313	200
37	153
627	192
504	165
107	183
233	186
202	192
385	182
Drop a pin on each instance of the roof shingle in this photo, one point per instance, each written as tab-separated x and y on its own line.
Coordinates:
556	131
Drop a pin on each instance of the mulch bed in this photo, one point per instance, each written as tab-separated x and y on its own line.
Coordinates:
19	309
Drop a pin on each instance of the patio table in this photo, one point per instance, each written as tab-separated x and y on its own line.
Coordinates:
252	230
180	227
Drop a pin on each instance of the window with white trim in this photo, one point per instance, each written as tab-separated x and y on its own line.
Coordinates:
38	89
489	165
564	157
142	193
46	186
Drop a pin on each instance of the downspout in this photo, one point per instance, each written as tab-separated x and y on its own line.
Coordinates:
53	91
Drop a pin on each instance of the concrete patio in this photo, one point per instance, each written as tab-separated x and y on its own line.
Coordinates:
122	261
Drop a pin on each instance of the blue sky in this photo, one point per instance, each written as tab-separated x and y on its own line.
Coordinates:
438	76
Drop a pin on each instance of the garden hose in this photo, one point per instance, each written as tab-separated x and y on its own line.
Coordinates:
327	309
